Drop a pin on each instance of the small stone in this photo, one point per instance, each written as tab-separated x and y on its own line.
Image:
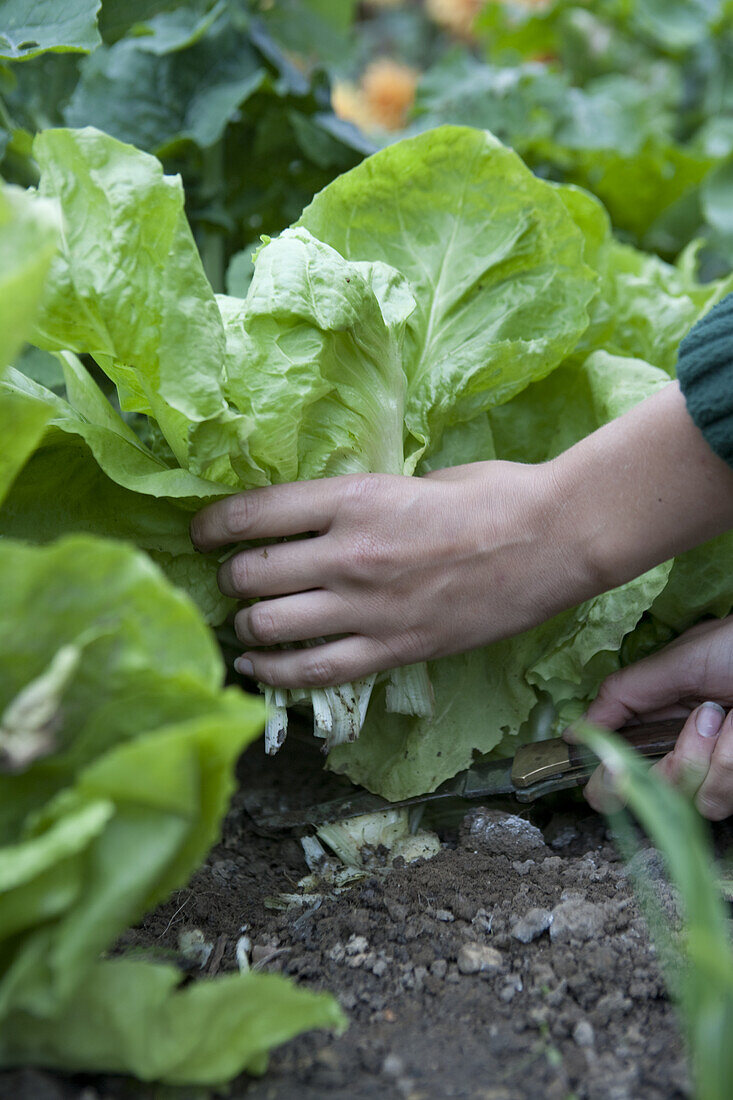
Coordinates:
561	831
380	968
511	987
336	953
523	867
576	920
501	833
357	945
444	915
531	925
474	958
393	1066
482	921
583	1033
355	961
439	968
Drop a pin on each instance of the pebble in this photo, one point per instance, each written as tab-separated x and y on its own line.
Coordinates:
474	958
583	1033
439	968
531	925
393	1066
578	920
511	987
357	945
502	833
444	915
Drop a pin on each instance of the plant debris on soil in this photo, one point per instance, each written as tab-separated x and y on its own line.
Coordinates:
514	964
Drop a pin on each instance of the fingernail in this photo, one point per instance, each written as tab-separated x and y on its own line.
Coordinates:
709	719
244	666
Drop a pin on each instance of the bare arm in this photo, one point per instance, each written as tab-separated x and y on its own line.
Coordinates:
404	569
643	488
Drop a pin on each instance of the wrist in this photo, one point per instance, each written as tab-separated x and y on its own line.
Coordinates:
569	531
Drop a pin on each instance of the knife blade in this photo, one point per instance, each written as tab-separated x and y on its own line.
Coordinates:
535	770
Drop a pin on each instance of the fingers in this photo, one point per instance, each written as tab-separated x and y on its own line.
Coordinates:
275	570
600	791
273	512
714	799
689	762
292	619
335	662
650	685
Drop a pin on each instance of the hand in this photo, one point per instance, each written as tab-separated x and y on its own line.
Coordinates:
692	676
401	569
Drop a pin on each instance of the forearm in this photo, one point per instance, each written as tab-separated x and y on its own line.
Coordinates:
642	489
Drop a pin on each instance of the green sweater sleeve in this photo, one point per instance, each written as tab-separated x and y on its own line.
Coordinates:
705	372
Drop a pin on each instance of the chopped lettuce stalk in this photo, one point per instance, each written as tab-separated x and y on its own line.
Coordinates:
356	839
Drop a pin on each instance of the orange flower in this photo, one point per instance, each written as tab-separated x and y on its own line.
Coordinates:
349	103
382	100
456	16
389	88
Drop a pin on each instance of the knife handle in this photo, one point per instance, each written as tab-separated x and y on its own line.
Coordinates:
547	766
649	739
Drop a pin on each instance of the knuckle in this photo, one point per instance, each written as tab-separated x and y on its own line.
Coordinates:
723	767
361	489
263	625
234	574
318	671
367	558
712	807
239	515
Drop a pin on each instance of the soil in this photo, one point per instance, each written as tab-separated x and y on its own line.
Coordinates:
514	964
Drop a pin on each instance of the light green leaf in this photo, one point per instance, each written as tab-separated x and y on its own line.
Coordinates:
29	234
127	285
155	1028
22	423
314	357
492	257
31	27
143	752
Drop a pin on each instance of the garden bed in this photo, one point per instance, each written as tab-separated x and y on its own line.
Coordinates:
578	1010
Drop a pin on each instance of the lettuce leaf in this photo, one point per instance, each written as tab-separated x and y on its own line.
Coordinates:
110	812
495	263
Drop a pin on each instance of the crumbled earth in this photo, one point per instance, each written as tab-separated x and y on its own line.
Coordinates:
515	964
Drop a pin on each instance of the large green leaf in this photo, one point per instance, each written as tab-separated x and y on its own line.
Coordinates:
154	100
160	1030
494	261
22	423
314	357
31	27
116	804
28	238
29	233
127	285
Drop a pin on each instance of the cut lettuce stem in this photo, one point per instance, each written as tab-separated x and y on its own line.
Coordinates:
339	712
409	691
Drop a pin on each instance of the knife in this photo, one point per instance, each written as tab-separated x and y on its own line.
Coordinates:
535	770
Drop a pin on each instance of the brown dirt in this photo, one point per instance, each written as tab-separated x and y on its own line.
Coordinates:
576	1013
